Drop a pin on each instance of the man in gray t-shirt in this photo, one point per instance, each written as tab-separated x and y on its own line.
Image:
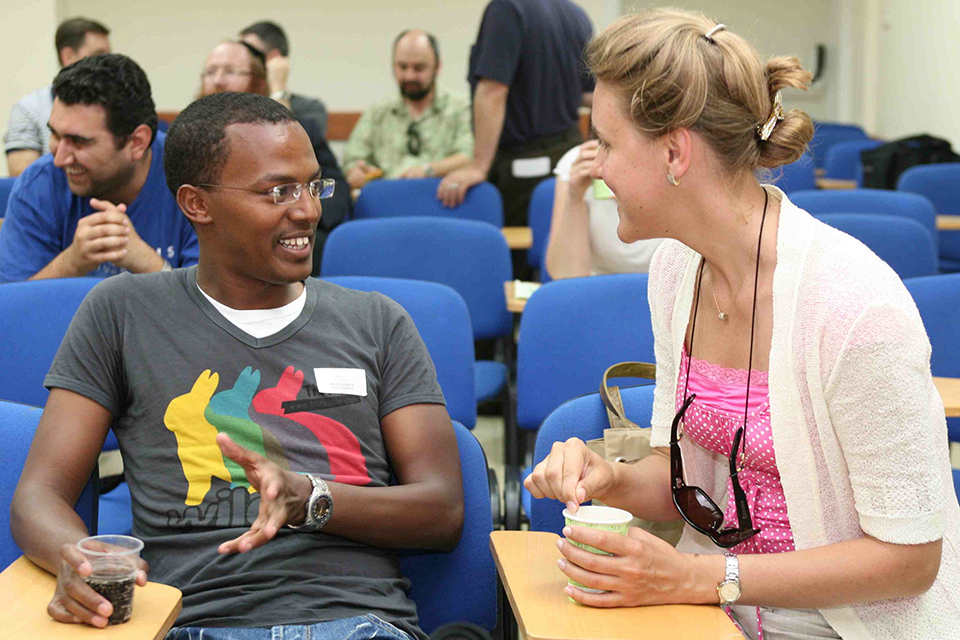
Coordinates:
27	137
225	383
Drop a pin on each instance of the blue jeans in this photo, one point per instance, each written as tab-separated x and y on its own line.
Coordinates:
365	627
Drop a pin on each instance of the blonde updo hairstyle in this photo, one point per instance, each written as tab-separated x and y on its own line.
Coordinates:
672	77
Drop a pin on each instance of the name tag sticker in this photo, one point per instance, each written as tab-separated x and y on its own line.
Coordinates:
530	167
351	382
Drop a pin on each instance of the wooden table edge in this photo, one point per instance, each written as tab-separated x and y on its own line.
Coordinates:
518	237
506	587
514	304
948	223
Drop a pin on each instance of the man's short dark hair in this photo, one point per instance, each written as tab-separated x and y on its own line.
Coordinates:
272	35
432	39
71	33
116	83
197	146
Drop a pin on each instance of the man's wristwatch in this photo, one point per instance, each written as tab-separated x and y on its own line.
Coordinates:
428	170
280	95
729	589
319	506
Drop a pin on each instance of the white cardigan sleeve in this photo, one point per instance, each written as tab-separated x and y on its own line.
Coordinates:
890	425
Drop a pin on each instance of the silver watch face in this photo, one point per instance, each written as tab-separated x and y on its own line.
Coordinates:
321	508
729	591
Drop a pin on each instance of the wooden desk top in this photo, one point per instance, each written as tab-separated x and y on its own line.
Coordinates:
833	183
527	562
949	389
514	304
518	237
26	589
948	223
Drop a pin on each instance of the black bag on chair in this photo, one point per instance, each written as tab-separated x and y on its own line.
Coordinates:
883	165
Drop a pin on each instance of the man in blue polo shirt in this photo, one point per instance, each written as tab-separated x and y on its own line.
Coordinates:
99	204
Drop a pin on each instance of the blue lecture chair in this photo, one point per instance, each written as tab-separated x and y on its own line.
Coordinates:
902	243
842	160
34	317
585	418
443	321
796	176
939	183
418	197
460	586
539	215
19	424
875	201
828	134
605	320
6	186
470	257
938	299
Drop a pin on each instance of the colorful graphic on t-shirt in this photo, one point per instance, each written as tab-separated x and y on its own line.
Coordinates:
258	422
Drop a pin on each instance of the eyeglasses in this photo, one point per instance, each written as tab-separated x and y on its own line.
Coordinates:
320	189
228	72
696	507
413	139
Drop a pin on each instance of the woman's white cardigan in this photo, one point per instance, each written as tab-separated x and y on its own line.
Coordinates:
858	426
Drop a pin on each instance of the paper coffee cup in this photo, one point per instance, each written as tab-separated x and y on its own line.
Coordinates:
601	191
597	517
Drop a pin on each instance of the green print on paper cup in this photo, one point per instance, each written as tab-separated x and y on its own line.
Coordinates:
601	191
601	518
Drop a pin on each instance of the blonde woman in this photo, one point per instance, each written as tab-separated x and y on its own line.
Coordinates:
813	473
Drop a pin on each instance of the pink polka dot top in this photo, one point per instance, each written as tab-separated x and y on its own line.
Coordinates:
711	422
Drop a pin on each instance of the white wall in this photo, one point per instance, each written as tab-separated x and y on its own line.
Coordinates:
781	28
28	52
340	50
918	88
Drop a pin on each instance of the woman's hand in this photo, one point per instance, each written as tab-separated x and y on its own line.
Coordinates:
283	496
572	474
643	569
580	179
74	601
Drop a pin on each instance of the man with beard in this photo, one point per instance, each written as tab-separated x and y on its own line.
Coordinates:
98	204
242	67
423	133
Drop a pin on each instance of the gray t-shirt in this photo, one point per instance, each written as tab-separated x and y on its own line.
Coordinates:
174	372
27	128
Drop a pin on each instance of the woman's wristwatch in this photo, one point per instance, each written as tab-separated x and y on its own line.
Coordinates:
729	589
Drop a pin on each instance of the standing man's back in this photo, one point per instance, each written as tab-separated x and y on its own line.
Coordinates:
535	47
528	81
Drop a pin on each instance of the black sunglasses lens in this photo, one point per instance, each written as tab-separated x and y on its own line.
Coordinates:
413	140
698	508
733	537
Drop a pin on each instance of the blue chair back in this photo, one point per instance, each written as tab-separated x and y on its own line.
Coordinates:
902	243
471	257
19	423
827	134
460	586
6	186
875	201
34	316
443	321
939	183
585	418
938	299
796	176
842	160
571	331
418	197
539	215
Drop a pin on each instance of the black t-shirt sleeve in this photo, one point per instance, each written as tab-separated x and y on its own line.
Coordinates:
496	55
89	360
408	375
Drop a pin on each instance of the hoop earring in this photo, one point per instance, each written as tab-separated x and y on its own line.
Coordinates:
673	180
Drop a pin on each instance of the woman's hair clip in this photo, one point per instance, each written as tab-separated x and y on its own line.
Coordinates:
708	36
776	116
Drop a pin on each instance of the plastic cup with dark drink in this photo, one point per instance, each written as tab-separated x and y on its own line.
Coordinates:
115	561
